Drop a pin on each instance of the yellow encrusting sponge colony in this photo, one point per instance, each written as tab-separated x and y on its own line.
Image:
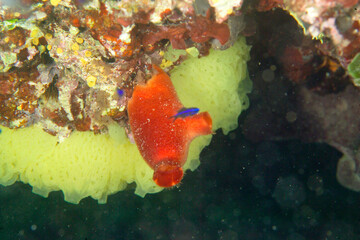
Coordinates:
99	165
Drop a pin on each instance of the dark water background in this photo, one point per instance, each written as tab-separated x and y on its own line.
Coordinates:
242	190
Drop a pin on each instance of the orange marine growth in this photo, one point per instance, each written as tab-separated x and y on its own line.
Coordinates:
163	139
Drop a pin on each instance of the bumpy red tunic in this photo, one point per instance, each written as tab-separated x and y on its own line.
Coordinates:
162	141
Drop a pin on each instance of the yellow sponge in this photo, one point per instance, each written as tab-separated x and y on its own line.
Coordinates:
99	165
212	84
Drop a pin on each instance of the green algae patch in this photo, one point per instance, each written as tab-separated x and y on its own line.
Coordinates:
354	69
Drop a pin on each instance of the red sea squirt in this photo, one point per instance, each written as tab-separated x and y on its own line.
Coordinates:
163	142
